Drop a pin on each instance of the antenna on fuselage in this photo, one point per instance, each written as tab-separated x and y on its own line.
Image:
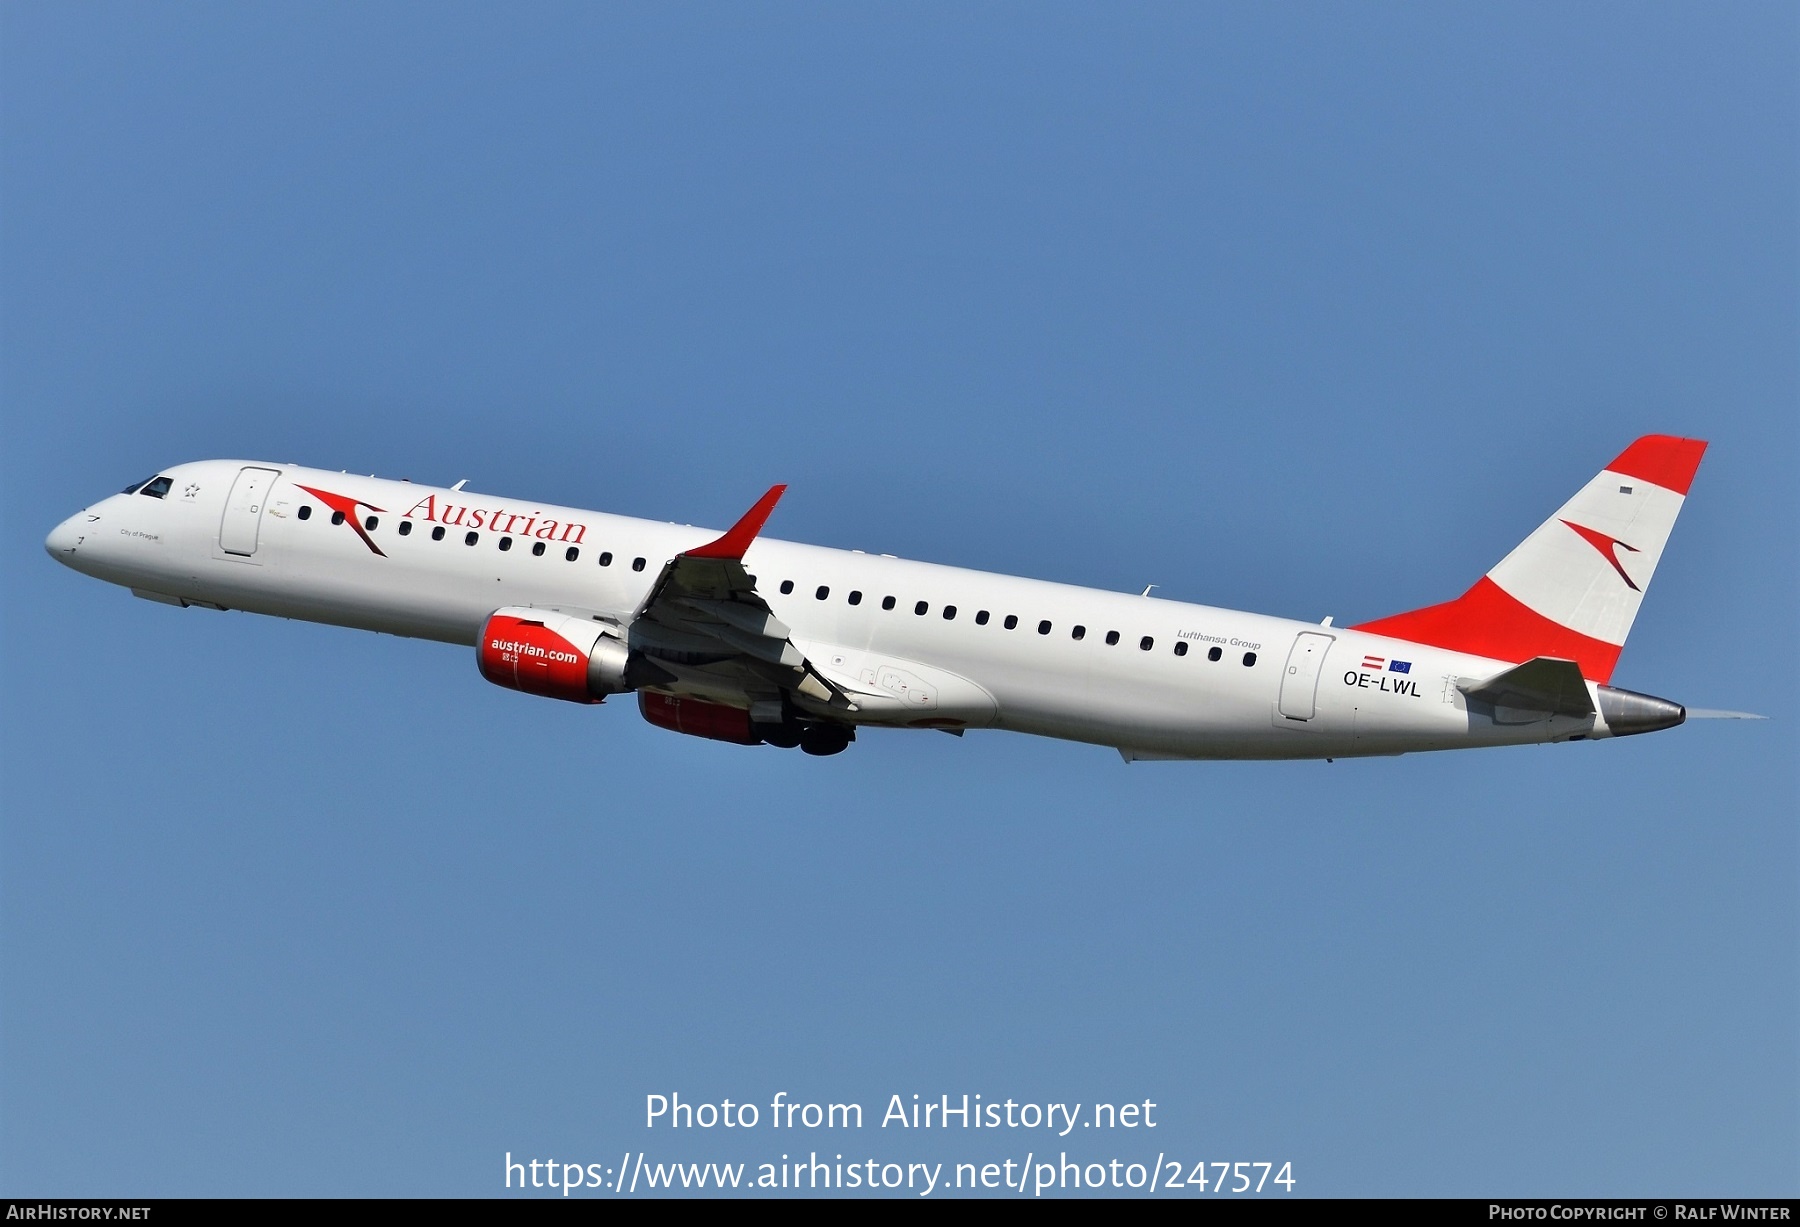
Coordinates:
1146	591
460	484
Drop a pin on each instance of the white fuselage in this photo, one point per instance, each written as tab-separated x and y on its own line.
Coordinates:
1154	678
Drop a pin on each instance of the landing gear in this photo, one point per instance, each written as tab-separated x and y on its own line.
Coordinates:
822	739
812	736
782	736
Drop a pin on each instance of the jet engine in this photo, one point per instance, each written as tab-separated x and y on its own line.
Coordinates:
556	655
698	718
722	722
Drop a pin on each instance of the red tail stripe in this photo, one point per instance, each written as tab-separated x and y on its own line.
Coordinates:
1488	621
1663	459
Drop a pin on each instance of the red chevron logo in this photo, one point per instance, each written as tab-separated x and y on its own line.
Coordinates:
346	507
1608	547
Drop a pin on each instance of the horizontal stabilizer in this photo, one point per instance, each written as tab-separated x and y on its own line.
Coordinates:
1543	684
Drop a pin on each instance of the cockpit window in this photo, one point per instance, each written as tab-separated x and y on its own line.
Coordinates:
158	488
135	486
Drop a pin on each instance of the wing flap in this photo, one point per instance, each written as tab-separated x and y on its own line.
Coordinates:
751	619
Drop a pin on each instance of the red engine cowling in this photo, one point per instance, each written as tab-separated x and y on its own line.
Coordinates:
698	718
552	654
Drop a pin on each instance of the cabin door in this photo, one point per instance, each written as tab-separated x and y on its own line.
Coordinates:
1300	680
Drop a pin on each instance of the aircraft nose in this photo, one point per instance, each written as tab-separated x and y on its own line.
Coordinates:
63	539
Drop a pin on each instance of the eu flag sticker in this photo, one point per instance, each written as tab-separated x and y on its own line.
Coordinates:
1399	666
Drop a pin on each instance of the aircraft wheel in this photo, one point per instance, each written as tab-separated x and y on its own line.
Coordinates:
785	736
822	739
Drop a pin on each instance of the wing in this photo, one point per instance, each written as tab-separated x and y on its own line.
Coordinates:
706	631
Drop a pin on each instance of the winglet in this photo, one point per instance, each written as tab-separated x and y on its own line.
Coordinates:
738	538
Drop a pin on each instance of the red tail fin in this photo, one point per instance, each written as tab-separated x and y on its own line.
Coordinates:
1572	589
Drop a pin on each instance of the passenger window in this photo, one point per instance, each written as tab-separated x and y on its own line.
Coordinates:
305	512
1044	628
606	558
637	564
471	538
1181	648
822	593
1213	653
370	523
1012	620
921	607
406	528
1146	643
571	554
1112	638
337	517
855	598
158	488
1249	659
949	613
887	602
981	617
537	549
505	543
437	534
1079	632
787	586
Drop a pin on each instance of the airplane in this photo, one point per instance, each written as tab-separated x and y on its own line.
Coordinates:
741	638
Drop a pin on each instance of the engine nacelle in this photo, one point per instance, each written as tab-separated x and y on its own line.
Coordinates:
698	718
555	655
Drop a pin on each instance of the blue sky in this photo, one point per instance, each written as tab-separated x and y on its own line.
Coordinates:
1302	309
